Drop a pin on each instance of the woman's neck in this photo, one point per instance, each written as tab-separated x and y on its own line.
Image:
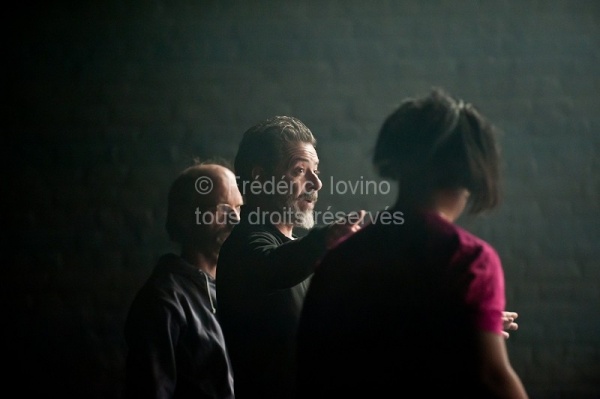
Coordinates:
448	203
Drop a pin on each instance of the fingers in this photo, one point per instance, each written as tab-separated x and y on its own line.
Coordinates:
354	218
361	216
508	322
344	228
509	315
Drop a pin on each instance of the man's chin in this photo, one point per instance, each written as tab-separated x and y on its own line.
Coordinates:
305	206
222	237
304	220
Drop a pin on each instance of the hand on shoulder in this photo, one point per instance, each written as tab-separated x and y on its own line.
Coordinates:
344	228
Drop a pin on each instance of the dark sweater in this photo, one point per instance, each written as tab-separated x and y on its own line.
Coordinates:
176	346
262	279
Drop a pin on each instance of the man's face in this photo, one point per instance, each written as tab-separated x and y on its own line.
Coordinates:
219	219
227	210
300	168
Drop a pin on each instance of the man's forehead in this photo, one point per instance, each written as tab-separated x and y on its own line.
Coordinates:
295	152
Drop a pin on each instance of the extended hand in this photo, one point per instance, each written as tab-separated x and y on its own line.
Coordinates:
344	228
508	323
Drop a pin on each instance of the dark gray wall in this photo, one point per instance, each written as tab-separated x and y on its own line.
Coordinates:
107	101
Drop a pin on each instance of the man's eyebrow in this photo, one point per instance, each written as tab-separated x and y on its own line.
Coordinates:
301	159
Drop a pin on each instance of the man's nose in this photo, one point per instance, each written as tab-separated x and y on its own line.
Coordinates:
233	216
313	183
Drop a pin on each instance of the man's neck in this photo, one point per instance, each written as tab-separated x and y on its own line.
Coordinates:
202	261
285	229
269	208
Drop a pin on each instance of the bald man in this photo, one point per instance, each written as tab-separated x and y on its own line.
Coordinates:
175	343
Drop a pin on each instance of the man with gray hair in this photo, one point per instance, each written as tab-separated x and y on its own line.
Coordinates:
264	268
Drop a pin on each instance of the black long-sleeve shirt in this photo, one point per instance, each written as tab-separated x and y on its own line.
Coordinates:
175	343
262	280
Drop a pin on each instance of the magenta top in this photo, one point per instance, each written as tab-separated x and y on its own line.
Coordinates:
485	293
400	304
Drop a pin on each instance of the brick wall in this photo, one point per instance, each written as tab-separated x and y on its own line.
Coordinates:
106	102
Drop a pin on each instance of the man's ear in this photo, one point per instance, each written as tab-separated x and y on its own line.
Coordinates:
258	173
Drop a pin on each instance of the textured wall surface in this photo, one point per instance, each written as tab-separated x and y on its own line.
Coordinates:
105	102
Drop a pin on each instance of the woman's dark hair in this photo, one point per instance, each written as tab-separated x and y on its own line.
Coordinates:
438	142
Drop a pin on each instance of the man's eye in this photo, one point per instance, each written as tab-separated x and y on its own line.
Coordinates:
317	172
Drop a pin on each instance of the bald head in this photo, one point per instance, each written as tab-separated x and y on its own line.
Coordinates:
199	187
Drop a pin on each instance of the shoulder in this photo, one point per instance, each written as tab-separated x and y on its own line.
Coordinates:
246	233
172	280
475	246
369	245
454	236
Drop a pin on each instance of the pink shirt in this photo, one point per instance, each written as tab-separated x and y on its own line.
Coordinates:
485	291
401	302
